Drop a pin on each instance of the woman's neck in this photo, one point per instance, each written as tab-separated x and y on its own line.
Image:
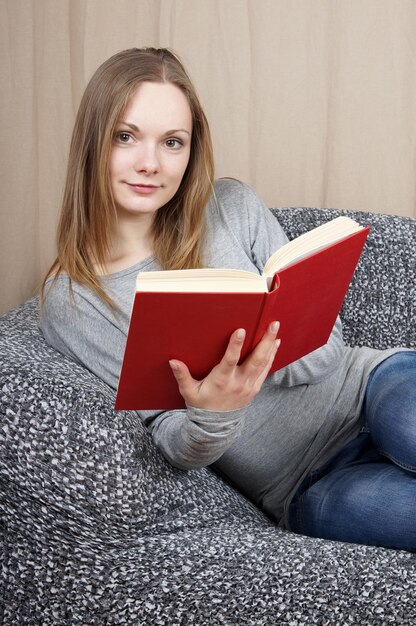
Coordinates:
131	243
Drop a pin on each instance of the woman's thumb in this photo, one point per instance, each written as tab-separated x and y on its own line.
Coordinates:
182	375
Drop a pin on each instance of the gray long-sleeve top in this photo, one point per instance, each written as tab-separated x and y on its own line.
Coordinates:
303	414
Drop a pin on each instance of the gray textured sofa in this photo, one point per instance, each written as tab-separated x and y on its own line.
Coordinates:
97	529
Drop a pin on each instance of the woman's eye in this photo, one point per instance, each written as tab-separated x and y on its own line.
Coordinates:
123	137
174	143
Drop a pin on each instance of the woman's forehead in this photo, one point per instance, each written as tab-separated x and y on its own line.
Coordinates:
160	105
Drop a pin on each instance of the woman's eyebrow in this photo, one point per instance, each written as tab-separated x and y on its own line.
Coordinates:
168	132
177	130
132	126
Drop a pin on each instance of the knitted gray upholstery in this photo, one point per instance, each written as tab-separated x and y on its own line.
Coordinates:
97	529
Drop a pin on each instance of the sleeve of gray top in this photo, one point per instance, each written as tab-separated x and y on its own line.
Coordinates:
194	438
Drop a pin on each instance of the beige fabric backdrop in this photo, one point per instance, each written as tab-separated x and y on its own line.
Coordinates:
311	101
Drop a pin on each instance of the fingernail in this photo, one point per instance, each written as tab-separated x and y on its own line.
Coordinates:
241	333
275	327
174	365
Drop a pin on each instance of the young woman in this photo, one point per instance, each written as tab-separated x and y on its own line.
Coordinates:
325	446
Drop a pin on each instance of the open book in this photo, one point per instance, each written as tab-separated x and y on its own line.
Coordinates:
190	314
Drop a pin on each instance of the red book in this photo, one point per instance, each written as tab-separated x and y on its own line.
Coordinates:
189	315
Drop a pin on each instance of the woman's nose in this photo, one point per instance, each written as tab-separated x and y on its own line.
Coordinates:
147	159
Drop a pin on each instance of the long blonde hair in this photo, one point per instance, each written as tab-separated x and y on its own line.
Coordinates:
88	210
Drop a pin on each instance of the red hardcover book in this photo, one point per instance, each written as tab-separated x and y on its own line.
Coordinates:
195	326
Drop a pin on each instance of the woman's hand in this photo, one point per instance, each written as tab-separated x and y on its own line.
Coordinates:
230	386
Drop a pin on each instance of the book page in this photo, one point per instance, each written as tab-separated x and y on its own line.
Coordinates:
212	280
310	242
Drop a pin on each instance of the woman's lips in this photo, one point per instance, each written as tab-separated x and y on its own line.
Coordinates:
146	189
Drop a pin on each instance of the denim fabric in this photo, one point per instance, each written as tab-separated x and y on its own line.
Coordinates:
367	492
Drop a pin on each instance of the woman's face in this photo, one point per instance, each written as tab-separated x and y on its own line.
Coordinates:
151	149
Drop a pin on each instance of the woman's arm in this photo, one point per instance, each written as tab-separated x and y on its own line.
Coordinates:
80	326
194	438
216	404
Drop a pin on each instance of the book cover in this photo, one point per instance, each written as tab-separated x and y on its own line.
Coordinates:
305	298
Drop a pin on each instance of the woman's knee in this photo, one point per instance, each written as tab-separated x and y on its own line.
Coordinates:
390	409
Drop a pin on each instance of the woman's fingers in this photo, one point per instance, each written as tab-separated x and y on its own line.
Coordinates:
263	354
260	356
186	383
230	386
232	354
264	373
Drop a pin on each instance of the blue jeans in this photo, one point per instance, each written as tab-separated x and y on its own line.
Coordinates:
366	493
